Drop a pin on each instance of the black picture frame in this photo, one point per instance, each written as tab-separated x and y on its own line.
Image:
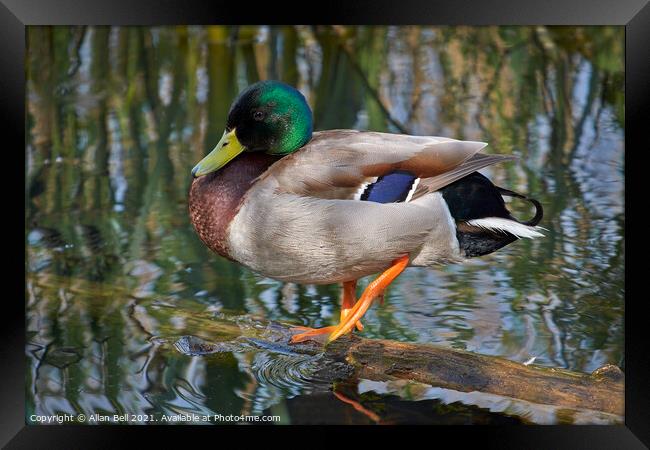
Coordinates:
15	15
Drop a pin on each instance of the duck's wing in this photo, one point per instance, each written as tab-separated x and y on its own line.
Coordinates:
342	164
473	164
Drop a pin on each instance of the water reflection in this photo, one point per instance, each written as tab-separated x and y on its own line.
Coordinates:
117	116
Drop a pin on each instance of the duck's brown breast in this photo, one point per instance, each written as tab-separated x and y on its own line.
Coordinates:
215	199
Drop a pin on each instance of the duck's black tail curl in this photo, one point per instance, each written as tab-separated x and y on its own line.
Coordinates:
539	211
483	222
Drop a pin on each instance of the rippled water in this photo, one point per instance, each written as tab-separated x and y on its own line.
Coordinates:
121	293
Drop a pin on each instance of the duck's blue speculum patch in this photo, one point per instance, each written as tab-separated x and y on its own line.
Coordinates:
391	188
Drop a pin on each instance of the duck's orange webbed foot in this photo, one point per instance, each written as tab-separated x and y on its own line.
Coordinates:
349	299
309	333
351	311
374	289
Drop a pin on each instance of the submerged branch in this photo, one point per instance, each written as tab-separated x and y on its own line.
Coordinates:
443	367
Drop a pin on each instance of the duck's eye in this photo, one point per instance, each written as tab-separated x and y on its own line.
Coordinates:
258	115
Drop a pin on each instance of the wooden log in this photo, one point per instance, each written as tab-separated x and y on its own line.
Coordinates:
384	360
463	371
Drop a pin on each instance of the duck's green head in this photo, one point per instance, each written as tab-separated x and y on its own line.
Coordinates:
268	116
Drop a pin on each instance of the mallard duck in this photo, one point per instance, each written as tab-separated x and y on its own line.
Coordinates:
334	206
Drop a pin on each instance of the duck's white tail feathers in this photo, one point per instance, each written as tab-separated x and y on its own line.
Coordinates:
500	224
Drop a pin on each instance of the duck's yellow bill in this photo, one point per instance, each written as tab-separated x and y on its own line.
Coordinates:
227	148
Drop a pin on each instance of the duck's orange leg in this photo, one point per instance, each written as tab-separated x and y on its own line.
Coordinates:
374	289
350	316
349	299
